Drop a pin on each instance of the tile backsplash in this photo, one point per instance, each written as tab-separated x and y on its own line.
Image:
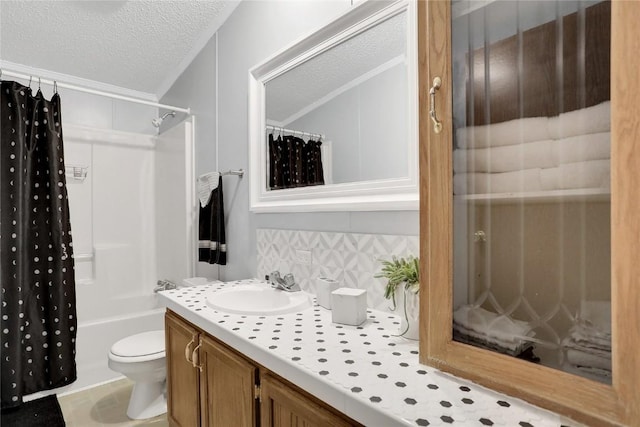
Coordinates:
350	258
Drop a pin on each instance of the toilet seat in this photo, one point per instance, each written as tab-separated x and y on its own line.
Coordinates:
139	348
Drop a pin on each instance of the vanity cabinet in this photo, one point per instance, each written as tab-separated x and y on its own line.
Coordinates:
183	380
227	386
207	383
283	406
210	384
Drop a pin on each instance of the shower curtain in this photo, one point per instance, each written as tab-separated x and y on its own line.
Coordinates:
38	286
294	162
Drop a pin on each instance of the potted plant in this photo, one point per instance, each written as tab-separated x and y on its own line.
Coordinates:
403	279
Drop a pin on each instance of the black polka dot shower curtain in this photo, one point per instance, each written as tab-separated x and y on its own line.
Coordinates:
38	286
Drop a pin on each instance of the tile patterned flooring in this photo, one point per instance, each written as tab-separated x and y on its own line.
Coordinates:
105	405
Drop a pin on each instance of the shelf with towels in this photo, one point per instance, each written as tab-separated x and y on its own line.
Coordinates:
581	194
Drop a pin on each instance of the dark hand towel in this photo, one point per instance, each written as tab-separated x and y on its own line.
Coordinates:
212	246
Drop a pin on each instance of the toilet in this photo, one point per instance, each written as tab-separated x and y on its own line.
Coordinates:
141	358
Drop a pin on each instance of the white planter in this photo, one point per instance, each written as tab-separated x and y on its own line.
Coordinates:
408	308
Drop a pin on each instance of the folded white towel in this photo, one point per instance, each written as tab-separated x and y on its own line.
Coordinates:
521	181
588	337
584	121
206	184
514	345
529	155
595	374
595	315
594	146
588	348
587	174
581	358
484	322
516	131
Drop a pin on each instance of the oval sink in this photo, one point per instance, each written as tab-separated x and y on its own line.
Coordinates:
258	300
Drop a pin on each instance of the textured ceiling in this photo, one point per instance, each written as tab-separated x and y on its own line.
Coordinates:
132	44
310	81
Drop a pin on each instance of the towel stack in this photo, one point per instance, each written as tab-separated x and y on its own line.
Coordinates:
588	351
481	328
569	151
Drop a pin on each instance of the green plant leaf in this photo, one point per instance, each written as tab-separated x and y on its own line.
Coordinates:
398	271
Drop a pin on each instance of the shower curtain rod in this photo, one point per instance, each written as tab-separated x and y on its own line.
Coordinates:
299	132
93	91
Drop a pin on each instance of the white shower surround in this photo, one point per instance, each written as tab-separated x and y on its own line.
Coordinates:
119	240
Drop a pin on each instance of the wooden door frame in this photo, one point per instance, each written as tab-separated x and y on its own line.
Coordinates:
579	398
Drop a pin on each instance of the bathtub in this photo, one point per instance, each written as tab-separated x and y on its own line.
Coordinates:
95	338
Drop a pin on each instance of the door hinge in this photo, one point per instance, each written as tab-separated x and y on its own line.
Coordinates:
257	392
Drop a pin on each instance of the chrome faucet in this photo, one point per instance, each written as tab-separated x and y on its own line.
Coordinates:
164	285
287	284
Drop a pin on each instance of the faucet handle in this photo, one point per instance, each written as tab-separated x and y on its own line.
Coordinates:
274	276
163	285
289	280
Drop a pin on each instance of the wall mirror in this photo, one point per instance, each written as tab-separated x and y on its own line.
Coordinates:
333	117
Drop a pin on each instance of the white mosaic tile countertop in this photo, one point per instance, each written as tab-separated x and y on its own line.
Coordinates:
364	372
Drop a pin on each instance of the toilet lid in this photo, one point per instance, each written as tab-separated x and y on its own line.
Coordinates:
143	344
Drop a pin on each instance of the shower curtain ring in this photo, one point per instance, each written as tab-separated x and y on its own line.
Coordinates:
39	83
30	78
55	86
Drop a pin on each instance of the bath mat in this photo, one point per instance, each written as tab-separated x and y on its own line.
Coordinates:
43	412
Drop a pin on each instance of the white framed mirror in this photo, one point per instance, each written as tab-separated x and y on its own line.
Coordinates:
333	117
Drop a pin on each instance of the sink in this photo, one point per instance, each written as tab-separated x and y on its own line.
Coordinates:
258	300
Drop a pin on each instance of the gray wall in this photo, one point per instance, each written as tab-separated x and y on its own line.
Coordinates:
196	88
254	31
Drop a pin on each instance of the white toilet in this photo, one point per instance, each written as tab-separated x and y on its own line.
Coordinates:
141	358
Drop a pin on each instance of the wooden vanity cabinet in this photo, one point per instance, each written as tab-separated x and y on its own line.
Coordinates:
210	384
227	386
283	406
183	380
207	383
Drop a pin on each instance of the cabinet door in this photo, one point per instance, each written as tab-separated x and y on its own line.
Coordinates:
227	385
525	244
182	377
282	406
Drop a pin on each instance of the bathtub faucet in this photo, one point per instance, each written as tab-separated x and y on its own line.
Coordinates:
288	283
164	285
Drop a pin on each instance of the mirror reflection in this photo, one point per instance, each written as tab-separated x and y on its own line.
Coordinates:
342	116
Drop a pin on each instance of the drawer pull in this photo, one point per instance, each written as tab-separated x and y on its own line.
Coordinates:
187	350
195	357
437	124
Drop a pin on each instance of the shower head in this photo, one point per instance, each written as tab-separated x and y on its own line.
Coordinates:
158	121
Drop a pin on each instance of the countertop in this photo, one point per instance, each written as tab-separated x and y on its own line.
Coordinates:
365	372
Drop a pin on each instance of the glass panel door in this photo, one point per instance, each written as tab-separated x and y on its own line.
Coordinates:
531	183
